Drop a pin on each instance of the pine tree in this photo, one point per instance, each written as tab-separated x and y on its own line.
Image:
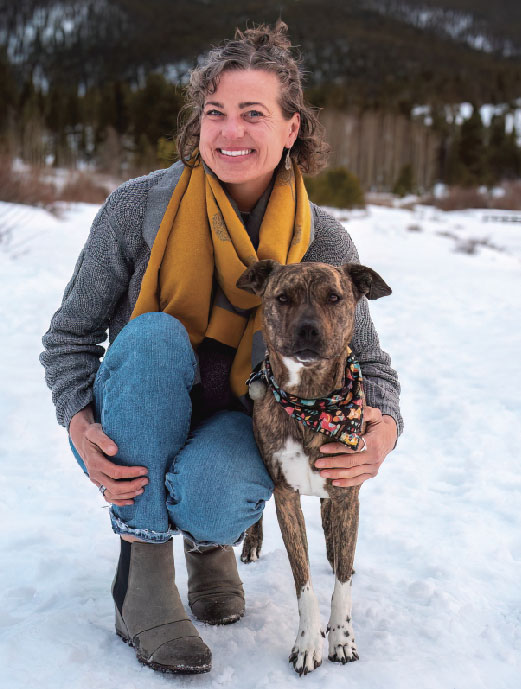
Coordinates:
155	109
472	150
8	92
405	182
503	153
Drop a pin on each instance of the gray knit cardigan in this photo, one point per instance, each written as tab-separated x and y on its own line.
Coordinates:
107	279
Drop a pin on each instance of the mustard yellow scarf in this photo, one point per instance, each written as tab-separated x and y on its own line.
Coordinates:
201	235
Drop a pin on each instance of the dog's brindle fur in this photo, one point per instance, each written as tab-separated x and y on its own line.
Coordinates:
308	314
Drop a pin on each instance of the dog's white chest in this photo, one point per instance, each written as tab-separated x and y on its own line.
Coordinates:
295	467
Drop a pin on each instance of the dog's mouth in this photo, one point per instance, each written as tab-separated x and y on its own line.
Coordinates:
306	356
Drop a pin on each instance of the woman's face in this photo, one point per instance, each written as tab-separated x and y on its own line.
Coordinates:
243	132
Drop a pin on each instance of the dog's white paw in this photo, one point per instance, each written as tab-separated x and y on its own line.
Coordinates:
306	654
342	646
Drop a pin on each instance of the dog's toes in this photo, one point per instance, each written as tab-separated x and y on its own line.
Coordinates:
305	661
305	669
343	654
342	647
250	555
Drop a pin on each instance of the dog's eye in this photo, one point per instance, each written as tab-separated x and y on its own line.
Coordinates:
333	298
282	299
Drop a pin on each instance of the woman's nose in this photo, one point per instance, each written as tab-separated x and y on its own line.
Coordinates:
233	128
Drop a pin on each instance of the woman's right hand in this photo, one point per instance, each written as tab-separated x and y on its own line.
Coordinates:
122	483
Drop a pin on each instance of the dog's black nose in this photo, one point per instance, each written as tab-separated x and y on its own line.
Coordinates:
308	333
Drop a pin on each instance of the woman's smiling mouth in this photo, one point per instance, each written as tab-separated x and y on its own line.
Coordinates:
235	153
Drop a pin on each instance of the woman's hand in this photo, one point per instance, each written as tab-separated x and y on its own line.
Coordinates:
350	468
122	483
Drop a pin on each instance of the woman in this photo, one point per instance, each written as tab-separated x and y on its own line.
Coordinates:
165	433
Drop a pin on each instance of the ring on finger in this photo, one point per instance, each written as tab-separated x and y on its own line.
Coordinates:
102	489
364	449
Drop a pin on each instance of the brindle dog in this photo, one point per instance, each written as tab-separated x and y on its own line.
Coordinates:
308	320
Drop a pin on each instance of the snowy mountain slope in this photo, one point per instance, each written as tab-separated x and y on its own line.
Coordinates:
376	53
469	26
438	563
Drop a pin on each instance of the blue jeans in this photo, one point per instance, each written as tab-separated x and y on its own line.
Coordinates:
209	484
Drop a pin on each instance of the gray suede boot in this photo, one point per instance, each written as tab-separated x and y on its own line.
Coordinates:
215	592
149	613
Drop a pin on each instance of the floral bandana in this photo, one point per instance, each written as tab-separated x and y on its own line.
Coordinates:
339	415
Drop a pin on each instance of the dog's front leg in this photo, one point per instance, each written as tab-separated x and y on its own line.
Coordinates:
344	529
325	512
306	654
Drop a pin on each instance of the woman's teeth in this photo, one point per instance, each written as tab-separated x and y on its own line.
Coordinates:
236	153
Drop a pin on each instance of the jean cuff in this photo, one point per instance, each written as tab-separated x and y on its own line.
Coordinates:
119	527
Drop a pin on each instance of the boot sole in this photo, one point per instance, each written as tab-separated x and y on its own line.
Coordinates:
166	669
224	620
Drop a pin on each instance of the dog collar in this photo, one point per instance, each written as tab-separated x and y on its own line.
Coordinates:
339	415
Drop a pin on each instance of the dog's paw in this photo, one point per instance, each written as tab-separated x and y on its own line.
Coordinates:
250	554
306	654
342	646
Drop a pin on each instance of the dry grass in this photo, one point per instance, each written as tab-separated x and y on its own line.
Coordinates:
378	198
461	198
83	188
28	188
511	201
36	187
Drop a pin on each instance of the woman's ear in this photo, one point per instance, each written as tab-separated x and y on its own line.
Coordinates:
294	130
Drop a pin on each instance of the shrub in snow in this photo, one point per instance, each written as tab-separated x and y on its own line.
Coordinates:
337	187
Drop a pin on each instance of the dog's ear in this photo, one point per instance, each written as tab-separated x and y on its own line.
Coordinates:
366	281
255	278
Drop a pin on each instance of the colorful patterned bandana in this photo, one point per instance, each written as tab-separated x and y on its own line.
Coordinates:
339	415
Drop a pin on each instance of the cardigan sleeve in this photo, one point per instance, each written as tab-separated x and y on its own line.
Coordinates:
332	244
73	342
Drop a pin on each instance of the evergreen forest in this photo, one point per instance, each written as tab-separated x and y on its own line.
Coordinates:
99	83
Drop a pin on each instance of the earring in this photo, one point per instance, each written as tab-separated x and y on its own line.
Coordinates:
287	164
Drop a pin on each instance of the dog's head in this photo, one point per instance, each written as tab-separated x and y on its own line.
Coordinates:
309	308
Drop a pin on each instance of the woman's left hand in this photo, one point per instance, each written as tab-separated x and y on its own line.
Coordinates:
350	468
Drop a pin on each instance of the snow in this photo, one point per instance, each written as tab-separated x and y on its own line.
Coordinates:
436	600
461	26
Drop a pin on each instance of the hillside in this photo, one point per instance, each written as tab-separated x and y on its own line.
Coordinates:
376	52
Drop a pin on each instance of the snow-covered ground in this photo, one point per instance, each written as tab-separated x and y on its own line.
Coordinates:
437	601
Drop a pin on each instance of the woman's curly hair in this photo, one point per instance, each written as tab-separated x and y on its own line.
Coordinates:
260	47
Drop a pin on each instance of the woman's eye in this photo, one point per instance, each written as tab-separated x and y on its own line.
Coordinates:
333	298
213	112
282	299
255	114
